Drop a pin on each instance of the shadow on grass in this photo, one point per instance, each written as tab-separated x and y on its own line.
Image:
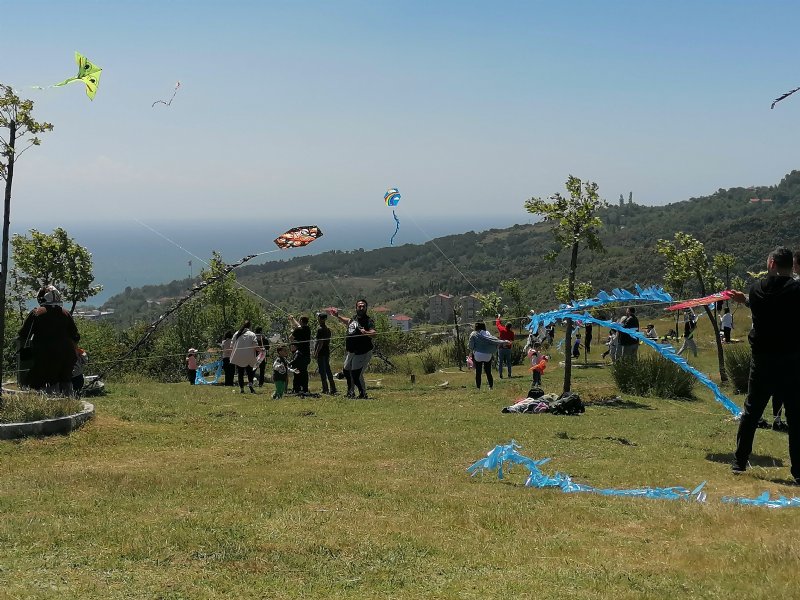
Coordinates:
757	460
617	402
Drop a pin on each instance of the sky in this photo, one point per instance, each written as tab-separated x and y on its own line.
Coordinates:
293	112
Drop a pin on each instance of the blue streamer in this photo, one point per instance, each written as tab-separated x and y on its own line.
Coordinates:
396	229
763	500
653	293
203	370
501	454
665	350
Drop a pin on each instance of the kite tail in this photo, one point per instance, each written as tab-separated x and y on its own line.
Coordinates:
396	229
155	324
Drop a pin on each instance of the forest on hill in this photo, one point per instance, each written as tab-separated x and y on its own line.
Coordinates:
403	277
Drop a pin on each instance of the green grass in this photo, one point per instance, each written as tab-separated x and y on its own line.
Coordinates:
33	406
175	491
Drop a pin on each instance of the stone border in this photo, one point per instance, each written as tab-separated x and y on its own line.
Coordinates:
11	431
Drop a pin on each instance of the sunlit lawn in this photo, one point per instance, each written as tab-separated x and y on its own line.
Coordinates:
197	492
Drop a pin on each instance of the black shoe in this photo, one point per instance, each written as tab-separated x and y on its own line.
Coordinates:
350	395
778	425
252	389
241	390
737	469
363	396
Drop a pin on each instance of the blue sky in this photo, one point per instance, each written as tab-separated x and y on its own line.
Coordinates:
290	110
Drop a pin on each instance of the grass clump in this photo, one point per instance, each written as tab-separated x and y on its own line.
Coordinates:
737	366
653	376
25	407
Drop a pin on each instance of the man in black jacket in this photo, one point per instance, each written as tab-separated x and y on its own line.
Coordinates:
774	302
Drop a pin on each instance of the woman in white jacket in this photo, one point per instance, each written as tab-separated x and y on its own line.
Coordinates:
244	354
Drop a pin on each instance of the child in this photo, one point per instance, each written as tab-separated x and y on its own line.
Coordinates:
538	369
191	365
280	372
611	343
77	371
536	358
576	347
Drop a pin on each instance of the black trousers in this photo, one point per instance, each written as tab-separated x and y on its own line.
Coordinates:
300	380
487	366
726	332
229	370
770	375
240	371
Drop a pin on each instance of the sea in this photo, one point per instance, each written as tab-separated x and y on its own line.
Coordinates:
147	251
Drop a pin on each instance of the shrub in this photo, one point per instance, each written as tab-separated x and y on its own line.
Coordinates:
431	360
32	406
737	365
652	375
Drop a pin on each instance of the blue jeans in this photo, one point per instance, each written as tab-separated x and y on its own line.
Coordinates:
325	373
503	356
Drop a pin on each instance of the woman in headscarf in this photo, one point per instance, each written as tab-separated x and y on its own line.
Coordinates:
243	355
50	334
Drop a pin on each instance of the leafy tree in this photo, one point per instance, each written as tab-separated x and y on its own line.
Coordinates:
16	117
723	264
583	290
574	223
491	304
54	259
512	293
223	293
686	260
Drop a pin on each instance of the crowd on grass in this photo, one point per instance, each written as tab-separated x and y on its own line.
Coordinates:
51	360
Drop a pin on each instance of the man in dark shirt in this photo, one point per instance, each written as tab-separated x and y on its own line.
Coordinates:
358	347
774	303
628	345
301	338
322	352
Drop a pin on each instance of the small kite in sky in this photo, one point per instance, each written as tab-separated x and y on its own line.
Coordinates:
298	237
164	102
704	301
786	95
392	198
88	73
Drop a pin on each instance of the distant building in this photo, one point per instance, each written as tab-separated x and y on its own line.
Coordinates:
93	315
440	308
381	309
471	308
754	200
402	322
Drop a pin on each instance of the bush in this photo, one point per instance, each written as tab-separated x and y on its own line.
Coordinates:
737	366
32	406
652	375
431	360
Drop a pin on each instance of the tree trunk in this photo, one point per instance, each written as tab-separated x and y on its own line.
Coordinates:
723	376
12	130
573	266
459	347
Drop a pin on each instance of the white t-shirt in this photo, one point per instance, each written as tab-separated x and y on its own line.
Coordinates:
727	320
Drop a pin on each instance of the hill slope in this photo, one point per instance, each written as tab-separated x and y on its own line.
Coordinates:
402	277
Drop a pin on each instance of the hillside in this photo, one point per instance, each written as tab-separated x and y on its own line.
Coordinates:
403	277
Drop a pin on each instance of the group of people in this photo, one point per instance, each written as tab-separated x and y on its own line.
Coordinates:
50	359
246	353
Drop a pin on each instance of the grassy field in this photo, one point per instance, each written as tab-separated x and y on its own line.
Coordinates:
196	492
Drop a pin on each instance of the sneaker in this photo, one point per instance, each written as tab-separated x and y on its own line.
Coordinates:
737	469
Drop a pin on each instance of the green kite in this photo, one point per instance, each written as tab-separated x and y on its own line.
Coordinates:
88	73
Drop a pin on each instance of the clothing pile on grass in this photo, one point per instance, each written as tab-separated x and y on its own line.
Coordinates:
568	403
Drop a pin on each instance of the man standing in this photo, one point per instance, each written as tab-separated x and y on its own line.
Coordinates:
505	333
358	347
301	338
628	345
322	352
774	303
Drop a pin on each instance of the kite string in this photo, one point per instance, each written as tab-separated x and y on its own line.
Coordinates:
239	283
443	254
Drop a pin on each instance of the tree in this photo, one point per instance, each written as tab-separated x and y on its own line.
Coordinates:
15	116
512	293
574	224
583	290
55	259
223	293
686	260
723	264
491	304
